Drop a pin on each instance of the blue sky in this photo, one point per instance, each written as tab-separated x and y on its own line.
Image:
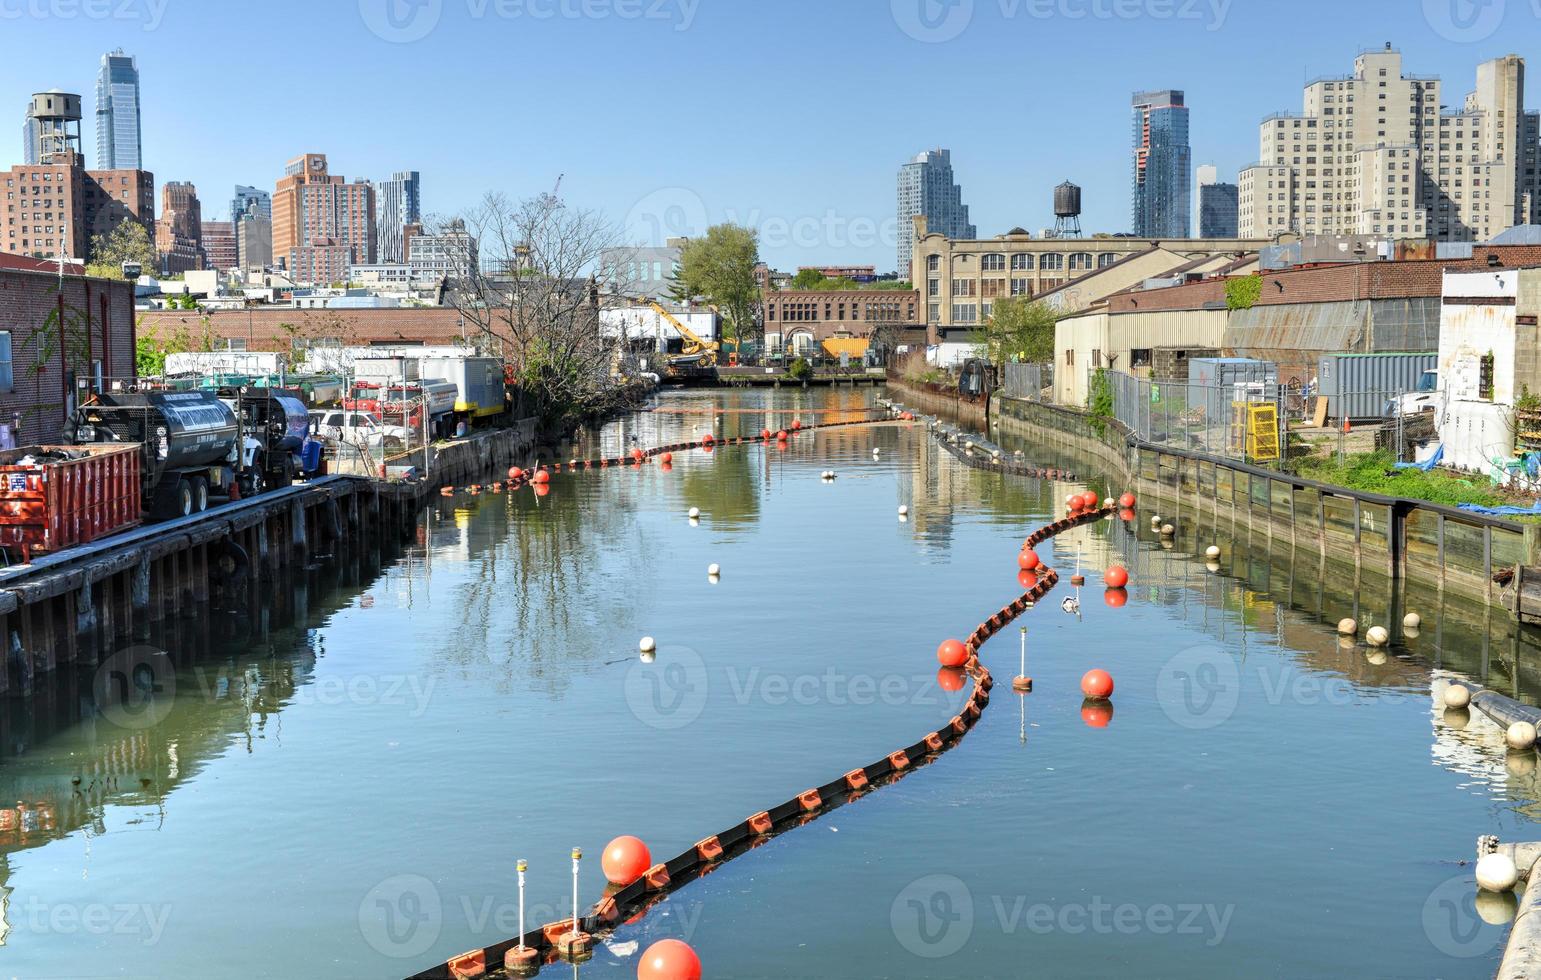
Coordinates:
789	115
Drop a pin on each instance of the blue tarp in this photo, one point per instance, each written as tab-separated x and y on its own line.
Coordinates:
1428	464
1534	509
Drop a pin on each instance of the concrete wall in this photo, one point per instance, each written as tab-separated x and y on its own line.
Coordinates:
1085	342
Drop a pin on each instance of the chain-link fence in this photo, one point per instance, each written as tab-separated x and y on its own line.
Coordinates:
1030	382
1276	424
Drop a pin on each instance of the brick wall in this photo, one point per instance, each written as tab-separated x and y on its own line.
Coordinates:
99	326
263	330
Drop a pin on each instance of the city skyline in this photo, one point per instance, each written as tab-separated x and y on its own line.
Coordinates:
833	206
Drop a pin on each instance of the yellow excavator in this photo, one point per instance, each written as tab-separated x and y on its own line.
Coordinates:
696	352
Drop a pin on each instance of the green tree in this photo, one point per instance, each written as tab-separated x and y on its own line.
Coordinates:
807	279
1019	329
128	242
841	284
721	267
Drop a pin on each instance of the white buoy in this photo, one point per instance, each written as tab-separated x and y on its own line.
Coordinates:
1521	735
1378	636
1496	872
714	570
1347	627
1457	696
1412	621
904	511
1155	522
648	644
1168	530
1212	553
695	513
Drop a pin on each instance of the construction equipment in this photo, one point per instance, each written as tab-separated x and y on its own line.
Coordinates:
697	352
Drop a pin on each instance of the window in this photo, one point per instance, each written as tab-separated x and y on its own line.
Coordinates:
1070	358
1485	378
1052	260
235	343
933	263
7	380
1096	357
1080	260
965	313
1106	259
1021	261
994	262
963	287
1140	357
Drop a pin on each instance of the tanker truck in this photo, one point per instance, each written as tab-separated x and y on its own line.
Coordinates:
188	442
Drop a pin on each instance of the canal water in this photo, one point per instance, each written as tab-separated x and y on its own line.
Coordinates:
339	783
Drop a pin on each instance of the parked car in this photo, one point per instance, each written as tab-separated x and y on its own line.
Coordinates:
359	429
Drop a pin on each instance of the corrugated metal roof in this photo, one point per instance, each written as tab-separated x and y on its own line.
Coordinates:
1299	326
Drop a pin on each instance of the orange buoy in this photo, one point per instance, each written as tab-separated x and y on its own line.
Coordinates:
796	424
708	440
541	478
1127	501
515	473
708	448
1116	598
1097	714
951	679
1097	685
667	458
669	959
1089	499
1028	560
1116	577
638	455
1028	580
765	434
1075	501
781	436
625	860
952	653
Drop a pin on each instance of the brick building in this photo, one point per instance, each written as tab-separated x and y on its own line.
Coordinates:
311	204
61	206
179	231
38	374
800	321
219	246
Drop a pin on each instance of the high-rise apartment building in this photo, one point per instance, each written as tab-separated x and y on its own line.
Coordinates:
1377	153
312	205
254	242
219	246
927	187
401	204
1217	210
119	144
179	232
1161	196
55	208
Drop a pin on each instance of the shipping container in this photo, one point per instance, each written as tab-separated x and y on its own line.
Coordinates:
56	497
1215	384
480	382
1361	386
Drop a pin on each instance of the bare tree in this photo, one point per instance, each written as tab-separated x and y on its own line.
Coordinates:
532	298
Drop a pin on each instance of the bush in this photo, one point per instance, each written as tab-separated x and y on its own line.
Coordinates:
800	369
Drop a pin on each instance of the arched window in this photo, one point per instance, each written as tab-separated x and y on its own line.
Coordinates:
993	262
1021	261
1106	259
933	263
1080	261
1051	260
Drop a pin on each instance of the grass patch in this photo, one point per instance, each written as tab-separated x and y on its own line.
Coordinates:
1376	473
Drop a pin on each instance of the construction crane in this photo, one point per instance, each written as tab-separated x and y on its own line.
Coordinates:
696	350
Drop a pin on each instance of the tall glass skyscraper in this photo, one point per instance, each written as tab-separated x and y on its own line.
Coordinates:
118	142
1161	198
927	186
401	204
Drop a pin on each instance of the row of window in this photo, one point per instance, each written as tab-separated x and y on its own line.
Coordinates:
1021	261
